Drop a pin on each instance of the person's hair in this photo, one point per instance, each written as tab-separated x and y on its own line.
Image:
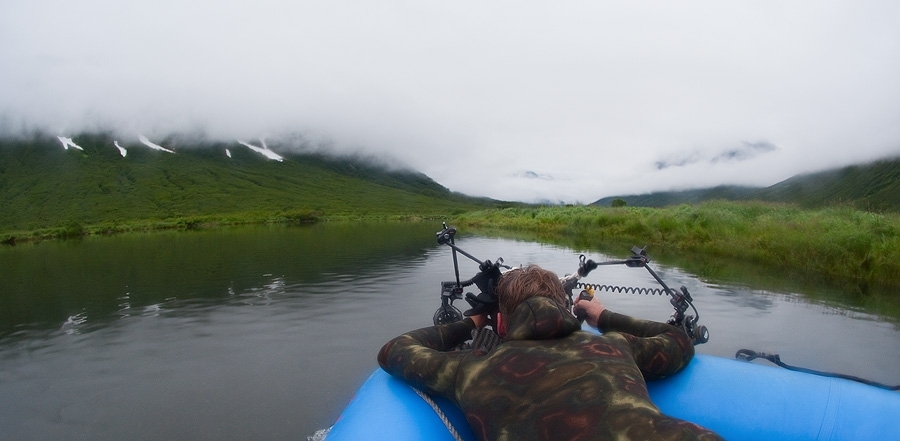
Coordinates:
517	285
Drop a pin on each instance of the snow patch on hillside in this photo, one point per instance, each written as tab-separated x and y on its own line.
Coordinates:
147	142
121	149
67	142
264	150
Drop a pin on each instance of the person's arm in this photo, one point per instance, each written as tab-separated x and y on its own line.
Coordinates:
659	349
421	359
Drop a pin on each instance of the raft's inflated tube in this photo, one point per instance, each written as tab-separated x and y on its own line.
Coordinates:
386	408
739	400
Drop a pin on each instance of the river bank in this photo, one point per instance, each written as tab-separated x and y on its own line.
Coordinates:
75	230
840	245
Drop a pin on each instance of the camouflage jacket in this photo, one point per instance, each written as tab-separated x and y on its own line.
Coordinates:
549	380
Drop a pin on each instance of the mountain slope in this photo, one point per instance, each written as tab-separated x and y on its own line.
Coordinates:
665	198
42	185
874	186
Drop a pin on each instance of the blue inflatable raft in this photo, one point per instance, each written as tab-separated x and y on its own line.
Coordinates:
737	399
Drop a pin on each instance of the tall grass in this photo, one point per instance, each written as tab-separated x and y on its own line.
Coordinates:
838	244
76	229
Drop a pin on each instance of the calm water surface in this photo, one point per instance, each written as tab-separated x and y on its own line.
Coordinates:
266	332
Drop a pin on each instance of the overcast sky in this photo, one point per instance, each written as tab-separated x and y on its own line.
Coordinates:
517	100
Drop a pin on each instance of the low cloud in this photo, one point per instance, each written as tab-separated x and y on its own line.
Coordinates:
746	151
528	174
603	98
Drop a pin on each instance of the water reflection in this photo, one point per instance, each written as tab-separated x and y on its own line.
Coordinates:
47	284
72	324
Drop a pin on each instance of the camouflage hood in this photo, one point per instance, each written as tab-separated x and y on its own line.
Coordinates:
540	318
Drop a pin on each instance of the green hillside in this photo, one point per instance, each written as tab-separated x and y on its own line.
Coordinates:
43	186
668	198
874	187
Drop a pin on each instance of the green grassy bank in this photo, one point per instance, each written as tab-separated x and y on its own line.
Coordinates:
842	245
76	229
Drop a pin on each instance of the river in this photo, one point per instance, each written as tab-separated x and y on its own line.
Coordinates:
266	332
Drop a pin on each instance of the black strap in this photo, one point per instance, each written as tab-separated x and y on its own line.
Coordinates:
748	355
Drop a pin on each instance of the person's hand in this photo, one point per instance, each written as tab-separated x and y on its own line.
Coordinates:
592	309
480	320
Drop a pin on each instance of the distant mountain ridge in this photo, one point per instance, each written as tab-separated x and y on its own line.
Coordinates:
873	186
46	182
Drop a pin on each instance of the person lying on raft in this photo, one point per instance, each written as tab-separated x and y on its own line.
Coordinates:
548	379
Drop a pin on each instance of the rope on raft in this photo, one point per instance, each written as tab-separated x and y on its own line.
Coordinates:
440	414
749	355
